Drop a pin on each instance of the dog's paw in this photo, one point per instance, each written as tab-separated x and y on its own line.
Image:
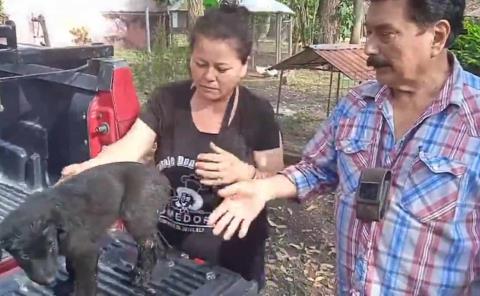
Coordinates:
140	278
140	291
63	288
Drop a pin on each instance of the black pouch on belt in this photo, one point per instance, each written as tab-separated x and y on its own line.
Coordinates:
372	194
373	187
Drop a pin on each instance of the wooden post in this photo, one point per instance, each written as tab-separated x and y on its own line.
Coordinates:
329	92
338	87
43	24
290	37
255	43
278	45
147	29
279	90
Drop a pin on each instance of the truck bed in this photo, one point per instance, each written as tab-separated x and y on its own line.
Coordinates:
174	276
10	198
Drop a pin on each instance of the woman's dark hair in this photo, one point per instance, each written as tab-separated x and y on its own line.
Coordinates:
427	12
226	22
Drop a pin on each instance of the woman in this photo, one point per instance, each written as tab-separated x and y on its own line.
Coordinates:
209	132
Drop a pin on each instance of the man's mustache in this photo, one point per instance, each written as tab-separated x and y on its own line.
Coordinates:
377	61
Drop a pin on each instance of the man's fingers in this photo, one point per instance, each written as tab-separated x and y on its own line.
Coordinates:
232	228
244	228
231	190
223	223
217	213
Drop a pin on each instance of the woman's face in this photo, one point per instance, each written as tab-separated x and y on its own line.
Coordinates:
216	68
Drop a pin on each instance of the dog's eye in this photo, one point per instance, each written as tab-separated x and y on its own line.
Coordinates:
24	257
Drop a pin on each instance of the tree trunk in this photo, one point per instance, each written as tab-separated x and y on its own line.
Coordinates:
195	10
358	14
329	22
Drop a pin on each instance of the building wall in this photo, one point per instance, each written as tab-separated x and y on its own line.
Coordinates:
63	15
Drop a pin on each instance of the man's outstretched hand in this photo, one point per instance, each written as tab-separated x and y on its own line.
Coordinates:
242	203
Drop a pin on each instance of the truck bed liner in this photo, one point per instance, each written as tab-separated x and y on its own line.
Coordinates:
174	276
10	198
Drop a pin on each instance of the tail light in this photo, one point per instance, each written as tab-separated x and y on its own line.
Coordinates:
113	112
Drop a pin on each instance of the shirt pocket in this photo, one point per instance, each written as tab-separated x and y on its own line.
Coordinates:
352	158
432	188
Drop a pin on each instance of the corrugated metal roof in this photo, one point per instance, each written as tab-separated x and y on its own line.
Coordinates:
348	59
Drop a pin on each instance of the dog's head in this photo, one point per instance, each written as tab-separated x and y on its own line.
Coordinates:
34	246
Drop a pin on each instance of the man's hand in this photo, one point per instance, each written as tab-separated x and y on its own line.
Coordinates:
222	167
242	203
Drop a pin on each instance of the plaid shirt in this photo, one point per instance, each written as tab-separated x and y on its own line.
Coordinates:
429	240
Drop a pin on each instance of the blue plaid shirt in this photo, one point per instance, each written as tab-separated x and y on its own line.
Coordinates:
429	240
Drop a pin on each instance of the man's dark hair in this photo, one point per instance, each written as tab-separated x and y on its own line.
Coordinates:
227	22
427	12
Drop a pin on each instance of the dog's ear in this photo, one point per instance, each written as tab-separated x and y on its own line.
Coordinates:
4	240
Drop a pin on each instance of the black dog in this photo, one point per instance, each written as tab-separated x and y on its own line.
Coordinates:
69	219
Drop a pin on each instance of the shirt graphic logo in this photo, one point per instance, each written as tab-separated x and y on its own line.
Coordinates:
188	198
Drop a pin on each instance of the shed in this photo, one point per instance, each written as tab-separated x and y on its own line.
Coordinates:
268	32
345	60
178	16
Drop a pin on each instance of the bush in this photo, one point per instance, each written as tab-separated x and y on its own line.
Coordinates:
163	65
467	47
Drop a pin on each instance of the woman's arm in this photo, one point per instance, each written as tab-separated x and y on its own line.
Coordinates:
136	143
268	162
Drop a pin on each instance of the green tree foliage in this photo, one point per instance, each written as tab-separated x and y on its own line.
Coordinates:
163	65
3	15
306	29
467	47
210	3
346	16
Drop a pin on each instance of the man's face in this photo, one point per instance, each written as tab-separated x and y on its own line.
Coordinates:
398	49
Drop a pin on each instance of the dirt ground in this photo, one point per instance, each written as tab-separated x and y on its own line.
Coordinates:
301	248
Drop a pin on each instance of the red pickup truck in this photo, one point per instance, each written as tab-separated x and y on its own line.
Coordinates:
60	106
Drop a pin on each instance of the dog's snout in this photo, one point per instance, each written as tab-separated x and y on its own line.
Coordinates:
48	281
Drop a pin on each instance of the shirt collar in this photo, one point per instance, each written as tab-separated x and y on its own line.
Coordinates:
451	93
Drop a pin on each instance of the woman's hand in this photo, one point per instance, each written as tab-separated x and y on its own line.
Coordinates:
242	203
75	169
222	167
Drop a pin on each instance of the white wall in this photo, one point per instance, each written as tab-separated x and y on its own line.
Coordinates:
63	15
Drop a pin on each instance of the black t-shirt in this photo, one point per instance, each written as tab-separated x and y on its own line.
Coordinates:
184	221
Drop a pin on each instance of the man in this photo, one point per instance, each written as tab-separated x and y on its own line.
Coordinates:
420	120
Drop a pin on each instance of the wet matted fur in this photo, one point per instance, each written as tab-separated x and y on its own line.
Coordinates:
71	218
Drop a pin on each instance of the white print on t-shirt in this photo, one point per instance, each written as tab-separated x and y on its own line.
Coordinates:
188	199
185	210
179	161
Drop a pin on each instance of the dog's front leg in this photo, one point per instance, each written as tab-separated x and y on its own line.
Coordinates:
83	255
85	265
146	260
